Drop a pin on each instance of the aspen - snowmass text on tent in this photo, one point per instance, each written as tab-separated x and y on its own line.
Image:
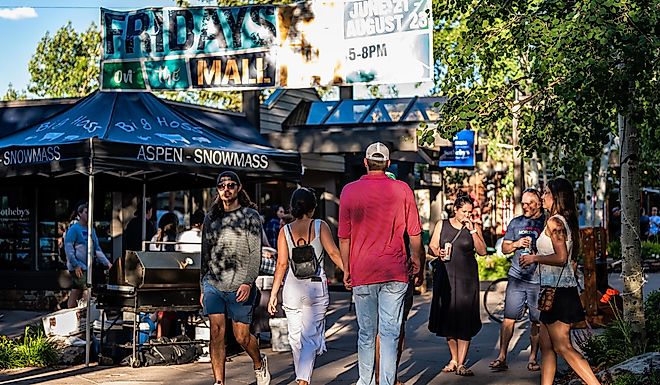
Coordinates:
202	156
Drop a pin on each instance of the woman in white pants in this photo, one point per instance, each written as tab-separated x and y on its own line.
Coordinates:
304	301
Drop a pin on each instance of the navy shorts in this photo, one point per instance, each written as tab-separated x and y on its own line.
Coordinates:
518	295
224	302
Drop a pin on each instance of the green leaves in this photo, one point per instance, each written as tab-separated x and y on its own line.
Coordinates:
66	64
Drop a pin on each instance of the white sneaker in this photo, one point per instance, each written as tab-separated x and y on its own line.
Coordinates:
262	374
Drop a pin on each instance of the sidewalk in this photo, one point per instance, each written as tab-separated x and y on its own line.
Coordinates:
423	357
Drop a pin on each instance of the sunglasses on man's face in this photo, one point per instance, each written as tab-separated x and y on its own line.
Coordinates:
230	186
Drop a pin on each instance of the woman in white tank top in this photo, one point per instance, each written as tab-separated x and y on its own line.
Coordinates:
557	246
304	301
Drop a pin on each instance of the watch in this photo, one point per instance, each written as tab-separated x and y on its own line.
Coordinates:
473	231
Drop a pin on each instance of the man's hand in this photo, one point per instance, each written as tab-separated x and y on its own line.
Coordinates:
347	281
78	271
523	242
243	292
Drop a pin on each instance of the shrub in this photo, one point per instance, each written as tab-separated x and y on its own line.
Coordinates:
31	349
652	315
650	250
492	267
615	345
651	378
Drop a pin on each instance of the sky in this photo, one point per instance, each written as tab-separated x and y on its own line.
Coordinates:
24	22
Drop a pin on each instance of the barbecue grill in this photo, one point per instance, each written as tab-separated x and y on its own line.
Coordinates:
150	281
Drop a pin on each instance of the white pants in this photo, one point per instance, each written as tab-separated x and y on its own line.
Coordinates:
305	303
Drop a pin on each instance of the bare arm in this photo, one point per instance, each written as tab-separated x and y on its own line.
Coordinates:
280	270
345	251
558	236
330	246
434	243
479	242
509	247
418	257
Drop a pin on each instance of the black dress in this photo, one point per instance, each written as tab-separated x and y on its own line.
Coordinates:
455	304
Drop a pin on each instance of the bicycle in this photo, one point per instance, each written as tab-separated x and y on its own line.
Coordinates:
494	297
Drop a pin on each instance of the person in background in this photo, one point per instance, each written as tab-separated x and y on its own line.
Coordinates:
168	229
371	239
523	287
190	241
167	232
557	248
644	225
304	301
231	237
455	307
75	246
272	225
615	223
654	224
132	237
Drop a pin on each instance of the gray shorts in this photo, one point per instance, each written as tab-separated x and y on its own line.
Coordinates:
520	294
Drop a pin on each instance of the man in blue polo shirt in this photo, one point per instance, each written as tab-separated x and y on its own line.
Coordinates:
523	287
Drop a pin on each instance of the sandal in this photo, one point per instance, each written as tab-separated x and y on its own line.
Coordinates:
498	365
450	367
463	371
533	366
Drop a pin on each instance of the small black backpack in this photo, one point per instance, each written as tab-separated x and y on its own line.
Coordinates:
303	260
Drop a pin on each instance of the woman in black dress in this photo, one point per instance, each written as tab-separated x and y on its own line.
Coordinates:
455	311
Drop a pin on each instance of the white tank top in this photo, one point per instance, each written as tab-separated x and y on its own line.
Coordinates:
552	276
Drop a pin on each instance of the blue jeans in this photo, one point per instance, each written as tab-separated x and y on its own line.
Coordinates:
379	309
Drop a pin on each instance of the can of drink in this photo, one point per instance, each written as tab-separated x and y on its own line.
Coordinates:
447	251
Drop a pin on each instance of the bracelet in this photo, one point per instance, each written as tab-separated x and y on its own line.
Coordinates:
473	231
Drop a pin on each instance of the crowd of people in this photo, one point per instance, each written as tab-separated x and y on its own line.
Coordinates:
382	257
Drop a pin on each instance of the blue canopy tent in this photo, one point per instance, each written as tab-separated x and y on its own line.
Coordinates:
139	136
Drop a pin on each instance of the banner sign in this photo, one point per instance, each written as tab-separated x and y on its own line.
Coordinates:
317	43
462	153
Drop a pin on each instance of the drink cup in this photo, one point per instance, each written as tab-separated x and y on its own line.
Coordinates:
447	251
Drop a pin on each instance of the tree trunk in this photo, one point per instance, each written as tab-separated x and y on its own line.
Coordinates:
632	274
599	209
588	195
534	171
518	172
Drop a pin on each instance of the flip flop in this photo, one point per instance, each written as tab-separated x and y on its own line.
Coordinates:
533	366
464	371
450	367
498	366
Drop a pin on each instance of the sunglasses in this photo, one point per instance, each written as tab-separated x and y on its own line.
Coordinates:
533	191
230	186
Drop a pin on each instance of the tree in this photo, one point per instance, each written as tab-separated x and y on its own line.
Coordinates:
13	94
578	65
66	64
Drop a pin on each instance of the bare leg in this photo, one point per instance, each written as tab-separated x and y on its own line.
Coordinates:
74	296
561	342
453	349
548	357
399	351
217	347
534	340
506	332
463	347
248	342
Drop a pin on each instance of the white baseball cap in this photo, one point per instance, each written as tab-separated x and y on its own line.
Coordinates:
377	151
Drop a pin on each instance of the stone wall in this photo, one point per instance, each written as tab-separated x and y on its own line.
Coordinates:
49	300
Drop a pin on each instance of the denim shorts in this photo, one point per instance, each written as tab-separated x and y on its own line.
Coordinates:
520	294
224	302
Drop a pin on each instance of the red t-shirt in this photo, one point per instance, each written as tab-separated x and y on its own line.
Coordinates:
374	213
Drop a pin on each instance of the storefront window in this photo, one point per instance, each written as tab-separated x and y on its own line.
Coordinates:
16	223
55	209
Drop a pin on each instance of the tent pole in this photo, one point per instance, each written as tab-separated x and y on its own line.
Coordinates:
144	212
90	255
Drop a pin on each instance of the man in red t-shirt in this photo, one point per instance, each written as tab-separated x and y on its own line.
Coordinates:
374	214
